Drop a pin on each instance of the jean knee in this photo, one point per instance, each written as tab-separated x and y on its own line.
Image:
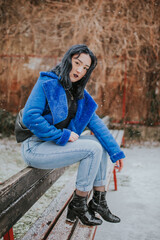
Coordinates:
96	148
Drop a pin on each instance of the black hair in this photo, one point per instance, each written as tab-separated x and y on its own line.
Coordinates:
64	67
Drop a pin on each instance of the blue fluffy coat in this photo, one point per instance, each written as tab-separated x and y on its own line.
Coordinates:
47	106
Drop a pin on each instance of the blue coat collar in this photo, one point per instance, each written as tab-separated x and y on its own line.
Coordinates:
57	101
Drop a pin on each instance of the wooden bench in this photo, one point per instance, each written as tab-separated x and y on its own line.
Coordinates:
21	191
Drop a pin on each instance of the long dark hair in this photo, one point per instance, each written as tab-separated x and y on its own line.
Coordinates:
64	67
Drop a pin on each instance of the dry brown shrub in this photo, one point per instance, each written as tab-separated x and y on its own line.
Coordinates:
124	35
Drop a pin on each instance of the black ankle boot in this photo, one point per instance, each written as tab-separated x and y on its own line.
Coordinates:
99	205
78	208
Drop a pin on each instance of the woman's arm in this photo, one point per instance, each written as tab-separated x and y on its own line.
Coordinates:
36	123
100	130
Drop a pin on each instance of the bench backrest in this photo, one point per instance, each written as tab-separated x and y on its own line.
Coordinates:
21	191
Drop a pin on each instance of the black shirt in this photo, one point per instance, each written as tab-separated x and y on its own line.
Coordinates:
72	109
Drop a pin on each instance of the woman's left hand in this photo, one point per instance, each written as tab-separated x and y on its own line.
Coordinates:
73	137
119	165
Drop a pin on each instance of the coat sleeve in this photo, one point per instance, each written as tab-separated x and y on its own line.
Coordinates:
100	130
36	123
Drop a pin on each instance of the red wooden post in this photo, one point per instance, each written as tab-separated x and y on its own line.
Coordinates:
94	233
123	141
115	179
124	97
124	91
9	235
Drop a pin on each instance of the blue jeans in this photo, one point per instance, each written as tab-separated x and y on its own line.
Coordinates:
87	150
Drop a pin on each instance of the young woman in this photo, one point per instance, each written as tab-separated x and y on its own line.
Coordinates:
56	113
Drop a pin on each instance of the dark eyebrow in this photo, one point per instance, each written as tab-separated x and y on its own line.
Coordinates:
81	62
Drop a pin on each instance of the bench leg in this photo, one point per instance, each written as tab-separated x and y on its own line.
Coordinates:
94	233
9	235
115	179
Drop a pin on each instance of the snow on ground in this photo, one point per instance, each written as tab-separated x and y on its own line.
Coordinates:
10	158
137	201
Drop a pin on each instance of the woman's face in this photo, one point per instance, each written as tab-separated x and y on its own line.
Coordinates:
80	65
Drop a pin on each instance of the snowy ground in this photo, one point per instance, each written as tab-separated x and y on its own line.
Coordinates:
137	200
10	158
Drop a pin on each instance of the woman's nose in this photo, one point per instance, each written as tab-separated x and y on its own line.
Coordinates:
79	69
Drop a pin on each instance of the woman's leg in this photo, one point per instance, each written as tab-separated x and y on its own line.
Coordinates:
48	155
99	170
98	203
87	152
100	179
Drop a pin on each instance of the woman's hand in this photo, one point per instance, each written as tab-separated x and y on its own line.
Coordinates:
119	165
73	137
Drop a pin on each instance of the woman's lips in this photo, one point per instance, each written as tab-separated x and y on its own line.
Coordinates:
75	75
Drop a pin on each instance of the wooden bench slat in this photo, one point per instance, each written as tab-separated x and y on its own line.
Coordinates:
66	231
106	120
120	136
18	184
41	226
10	215
83	232
61	230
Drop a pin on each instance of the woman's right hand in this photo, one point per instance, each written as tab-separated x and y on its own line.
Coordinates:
73	137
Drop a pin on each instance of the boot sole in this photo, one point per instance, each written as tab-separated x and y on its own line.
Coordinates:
73	221
70	221
107	220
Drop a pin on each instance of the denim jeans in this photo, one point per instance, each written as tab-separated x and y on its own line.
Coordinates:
87	150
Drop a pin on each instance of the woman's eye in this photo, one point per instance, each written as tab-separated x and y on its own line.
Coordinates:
77	63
